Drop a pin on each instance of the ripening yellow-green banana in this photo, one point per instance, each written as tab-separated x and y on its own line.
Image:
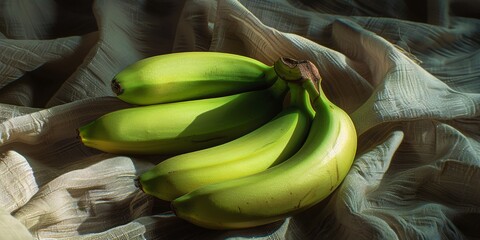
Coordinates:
190	75
254	152
174	128
294	185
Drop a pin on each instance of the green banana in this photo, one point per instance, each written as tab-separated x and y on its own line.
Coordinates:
252	153
294	185
190	75
174	128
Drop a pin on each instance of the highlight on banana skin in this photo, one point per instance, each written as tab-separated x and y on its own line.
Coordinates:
248	144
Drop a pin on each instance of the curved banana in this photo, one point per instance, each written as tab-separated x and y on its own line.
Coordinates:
254	152
292	186
180	127
190	75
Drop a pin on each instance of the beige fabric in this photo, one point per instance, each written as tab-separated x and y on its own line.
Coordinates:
408	74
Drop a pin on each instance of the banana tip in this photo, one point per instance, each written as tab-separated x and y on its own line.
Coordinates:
78	134
116	87
174	211
138	184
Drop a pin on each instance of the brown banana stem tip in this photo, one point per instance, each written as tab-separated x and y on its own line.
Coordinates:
78	137
308	70
116	88
138	184
174	211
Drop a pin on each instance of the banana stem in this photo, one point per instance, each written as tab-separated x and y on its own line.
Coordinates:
302	72
311	89
300	98
271	75
279	88
296	95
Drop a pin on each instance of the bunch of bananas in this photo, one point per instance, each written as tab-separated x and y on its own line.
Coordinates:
248	144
